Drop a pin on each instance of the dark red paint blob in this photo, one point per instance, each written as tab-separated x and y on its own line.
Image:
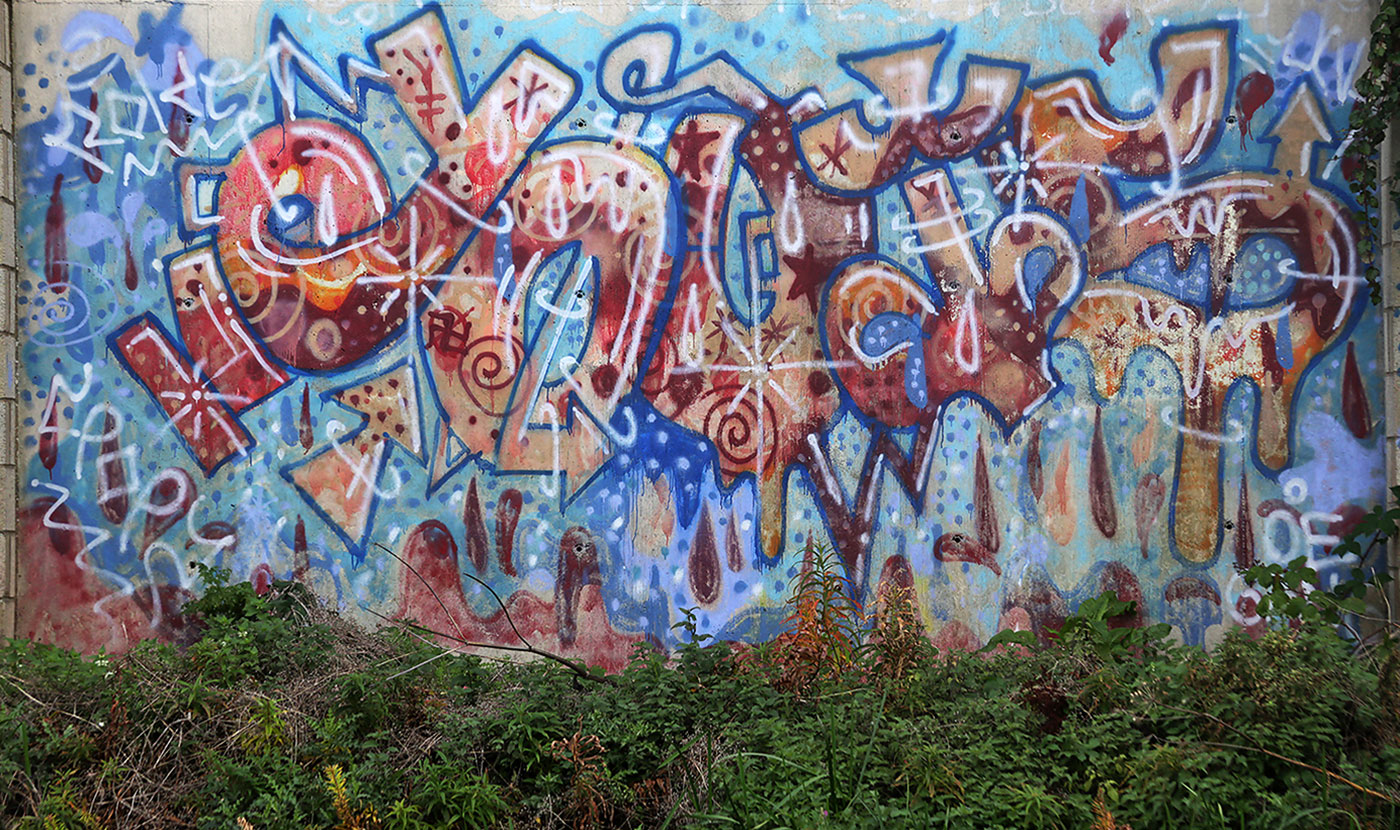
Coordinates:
896	573
1190	587
733	548
56	239
1102	504
261	577
578	566
1351	516
958	547
304	431
985	509
704	561
1187	90
1108	38
301	558
1117	577
221	535
507	517
172	494
1035	474
1151	492
92	171
477	542
1356	408
1253	92
1244	529
133	275
112	498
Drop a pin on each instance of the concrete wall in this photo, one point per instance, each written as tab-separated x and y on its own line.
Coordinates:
617	307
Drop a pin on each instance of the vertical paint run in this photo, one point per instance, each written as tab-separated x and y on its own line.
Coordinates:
1253	92
1108	38
704	561
1148	498
301	556
1035	474
988	528
112	496
91	168
1244	529
734	549
1356	409
304	431
507	517
477	543
56	239
1102	503
132	276
178	127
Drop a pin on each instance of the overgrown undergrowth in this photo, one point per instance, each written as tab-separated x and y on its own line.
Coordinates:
285	716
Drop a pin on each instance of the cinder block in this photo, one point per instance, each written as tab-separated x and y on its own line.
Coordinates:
7	234
8	499
7	110
8	434
7	618
8	566
8	368
5	57
7	168
7	300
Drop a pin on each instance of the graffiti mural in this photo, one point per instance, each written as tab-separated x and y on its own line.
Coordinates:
402	302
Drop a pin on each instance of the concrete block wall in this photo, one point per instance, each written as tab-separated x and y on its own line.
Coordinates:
9	351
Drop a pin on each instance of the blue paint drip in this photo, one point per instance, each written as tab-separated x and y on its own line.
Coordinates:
1283	342
1079	212
1035	270
888	331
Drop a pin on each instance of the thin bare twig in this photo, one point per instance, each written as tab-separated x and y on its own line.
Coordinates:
525	649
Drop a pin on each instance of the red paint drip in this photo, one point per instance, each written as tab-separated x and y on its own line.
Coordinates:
1108	38
733	548
172	495
1356	408
91	170
56	239
304	432
133	276
1253	92
112	497
507	517
48	432
1148	498
704	561
179	124
578	566
985	509
475	521
301	559
1101	502
1035	473
1244	529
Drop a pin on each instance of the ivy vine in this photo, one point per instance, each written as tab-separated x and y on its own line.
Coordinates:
1376	108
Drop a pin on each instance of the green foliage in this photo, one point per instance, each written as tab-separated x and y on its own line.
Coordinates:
1110	725
1376	109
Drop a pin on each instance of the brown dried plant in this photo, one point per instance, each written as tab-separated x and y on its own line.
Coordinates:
825	629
